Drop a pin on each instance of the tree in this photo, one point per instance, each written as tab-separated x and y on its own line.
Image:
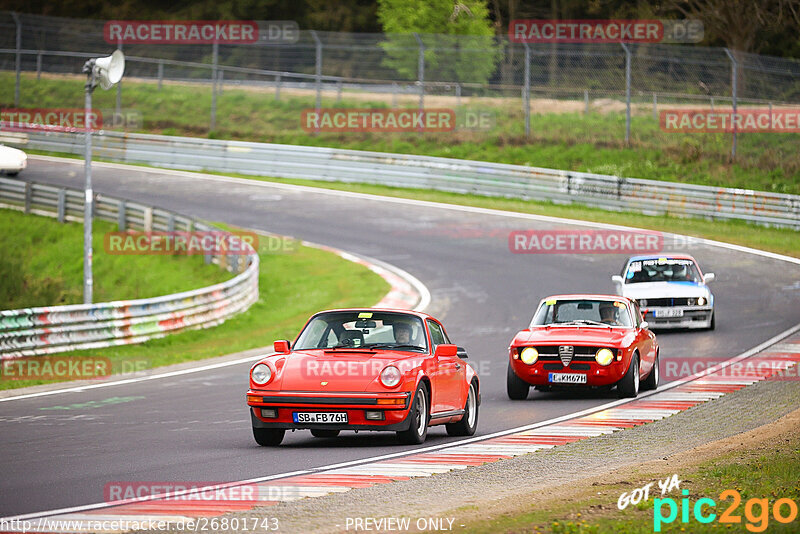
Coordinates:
458	39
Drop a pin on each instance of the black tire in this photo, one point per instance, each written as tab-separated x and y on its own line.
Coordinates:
516	387
628	386
467	425
420	416
268	437
713	325
324	433
651	382
12	173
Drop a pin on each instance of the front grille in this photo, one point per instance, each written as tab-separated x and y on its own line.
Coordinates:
573	366
550	353
681	301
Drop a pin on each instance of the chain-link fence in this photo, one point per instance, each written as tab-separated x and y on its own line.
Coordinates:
635	79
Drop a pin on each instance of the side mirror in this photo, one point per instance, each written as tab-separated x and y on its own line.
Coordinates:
446	350
709	277
617	279
461	352
645	325
281	346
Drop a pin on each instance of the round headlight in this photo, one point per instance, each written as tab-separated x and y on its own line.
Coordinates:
529	355
261	374
701	301
604	356
643	303
390	376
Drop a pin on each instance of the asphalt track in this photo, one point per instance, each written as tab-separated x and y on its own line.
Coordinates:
62	450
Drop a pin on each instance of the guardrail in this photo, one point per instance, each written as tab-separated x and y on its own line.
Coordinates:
51	329
401	170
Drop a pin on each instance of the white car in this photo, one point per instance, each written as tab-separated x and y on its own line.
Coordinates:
671	291
12	160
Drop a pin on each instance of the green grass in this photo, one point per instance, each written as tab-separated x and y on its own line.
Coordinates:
43	266
574	141
292	286
769	475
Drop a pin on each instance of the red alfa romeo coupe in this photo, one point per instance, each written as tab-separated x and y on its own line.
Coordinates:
584	340
364	369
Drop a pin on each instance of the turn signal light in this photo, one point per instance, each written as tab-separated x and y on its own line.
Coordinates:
396	402
255	398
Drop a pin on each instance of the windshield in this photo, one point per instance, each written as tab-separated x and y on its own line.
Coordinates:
662	270
363	329
582	312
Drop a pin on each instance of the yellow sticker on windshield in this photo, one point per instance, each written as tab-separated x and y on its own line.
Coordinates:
662	260
550	302
365	315
619	304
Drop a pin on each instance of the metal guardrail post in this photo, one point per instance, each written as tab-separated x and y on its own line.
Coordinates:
526	91
28	195
318	69
627	94
18	57
734	94
214	58
62	204
122	220
171	223
421	71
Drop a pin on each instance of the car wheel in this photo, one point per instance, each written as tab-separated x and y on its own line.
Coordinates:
268	437
467	425
418	430
516	387
12	173
651	382
323	433
628	386
712	325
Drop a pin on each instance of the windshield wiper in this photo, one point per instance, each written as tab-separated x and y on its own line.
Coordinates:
585	321
394	346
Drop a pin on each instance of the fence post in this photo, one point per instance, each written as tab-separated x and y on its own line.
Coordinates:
62	204
122	212
221	80
526	91
28	195
585	101
160	73
18	23
338	91
277	87
458	95
627	94
39	66
734	94
214	58
655	106
421	71
119	89
394	94
318	69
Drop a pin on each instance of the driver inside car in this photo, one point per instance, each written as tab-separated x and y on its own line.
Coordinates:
608	314
402	333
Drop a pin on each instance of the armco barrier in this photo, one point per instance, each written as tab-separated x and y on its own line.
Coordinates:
401	170
51	329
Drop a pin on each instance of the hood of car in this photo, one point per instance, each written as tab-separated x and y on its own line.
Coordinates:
338	370
650	290
576	335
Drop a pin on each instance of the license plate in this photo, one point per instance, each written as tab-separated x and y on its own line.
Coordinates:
320	417
567	378
669	312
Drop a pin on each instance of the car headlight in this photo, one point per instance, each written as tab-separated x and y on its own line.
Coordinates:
604	356
261	374
701	301
692	302
529	355
390	376
643	303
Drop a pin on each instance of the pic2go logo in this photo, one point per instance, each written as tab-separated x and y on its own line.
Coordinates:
756	511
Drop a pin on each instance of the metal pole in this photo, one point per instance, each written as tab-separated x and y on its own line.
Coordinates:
421	71
655	106
88	283
585	101
318	62
38	66
627	94
277	87
526	91
18	57
119	89
734	92
160	73
458	95
214	57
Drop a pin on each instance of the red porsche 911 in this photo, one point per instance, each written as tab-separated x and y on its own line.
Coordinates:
364	369
584	341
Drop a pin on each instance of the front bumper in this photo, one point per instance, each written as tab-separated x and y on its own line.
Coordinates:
396	417
692	317
538	374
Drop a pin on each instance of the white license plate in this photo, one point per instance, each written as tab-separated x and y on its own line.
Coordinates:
669	312
320	417
567	378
